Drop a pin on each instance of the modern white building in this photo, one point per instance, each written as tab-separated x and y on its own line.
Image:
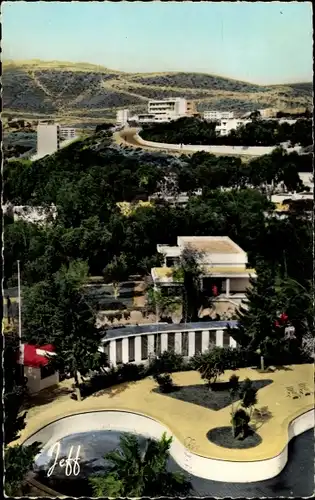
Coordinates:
225	126
223	264
161	110
48	138
122	117
218	115
168	109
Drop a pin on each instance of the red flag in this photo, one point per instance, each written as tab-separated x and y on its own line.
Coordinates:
277	324
215	290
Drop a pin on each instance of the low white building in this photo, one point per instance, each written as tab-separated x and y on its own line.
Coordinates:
38	370
225	126
218	115
138	344
223	264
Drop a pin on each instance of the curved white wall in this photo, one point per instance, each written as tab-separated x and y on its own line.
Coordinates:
229	150
206	468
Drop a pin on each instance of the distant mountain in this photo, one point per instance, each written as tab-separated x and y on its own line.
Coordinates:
86	93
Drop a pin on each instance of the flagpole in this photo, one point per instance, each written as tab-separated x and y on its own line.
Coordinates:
20	312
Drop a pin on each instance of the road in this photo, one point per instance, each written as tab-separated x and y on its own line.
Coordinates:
128	137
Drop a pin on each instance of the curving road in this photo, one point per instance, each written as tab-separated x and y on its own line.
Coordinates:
130	137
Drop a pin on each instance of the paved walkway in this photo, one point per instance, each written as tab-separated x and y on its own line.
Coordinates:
181	417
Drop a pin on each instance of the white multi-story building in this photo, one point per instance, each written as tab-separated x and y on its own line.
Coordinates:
122	117
161	110
67	132
165	109
226	126
218	115
48	138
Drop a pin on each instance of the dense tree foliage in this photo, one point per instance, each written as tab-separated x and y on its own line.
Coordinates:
188	130
87	179
56	311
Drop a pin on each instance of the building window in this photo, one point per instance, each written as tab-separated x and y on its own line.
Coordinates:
185	343
171	342
226	339
46	371
131	349
119	351
198	336
144	347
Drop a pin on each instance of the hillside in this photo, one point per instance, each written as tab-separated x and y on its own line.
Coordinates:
87	94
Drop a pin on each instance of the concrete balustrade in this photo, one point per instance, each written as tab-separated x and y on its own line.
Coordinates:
147	338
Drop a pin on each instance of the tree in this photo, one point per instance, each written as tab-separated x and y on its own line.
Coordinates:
137	473
240	416
191	273
257	316
57	312
14	390
210	364
161	303
18	461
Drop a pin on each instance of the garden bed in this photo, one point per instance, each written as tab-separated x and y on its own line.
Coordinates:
223	436
215	399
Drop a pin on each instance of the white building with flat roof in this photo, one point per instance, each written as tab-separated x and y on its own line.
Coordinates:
223	264
218	115
225	126
122	117
48	138
167	109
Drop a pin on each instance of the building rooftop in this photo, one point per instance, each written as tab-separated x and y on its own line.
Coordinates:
127	331
210	244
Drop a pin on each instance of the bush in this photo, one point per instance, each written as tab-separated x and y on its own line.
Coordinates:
240	423
126	315
165	382
167	362
130	372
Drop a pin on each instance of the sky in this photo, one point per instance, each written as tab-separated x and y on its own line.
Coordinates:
259	42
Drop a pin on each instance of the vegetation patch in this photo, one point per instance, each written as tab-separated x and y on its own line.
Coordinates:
215	399
223	436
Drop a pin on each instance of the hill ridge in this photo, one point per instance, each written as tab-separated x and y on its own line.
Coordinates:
85	92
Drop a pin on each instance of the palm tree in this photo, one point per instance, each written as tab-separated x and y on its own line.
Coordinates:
136	473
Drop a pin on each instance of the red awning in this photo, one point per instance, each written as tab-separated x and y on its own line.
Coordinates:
34	355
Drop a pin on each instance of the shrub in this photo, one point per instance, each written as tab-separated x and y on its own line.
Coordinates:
234	384
130	372
126	315
165	382
240	423
167	362
210	364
